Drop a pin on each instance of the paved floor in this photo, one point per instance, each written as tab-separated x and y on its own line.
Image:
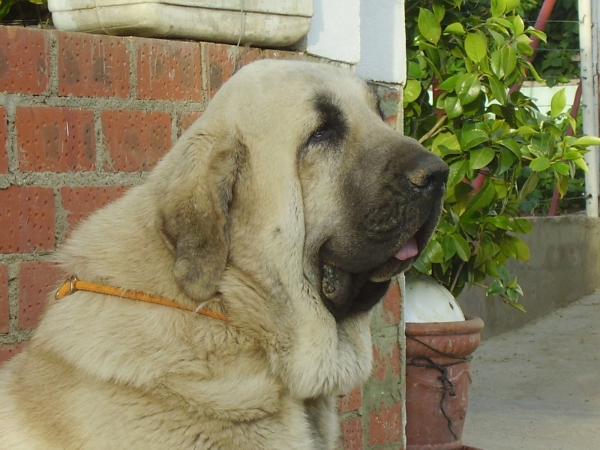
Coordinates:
539	387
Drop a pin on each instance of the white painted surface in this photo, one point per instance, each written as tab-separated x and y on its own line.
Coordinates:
383	41
542	94
427	301
588	41
249	22
335	30
368	33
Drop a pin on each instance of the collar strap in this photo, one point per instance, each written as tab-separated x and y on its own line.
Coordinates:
72	285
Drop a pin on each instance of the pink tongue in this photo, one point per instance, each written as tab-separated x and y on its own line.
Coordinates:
409	250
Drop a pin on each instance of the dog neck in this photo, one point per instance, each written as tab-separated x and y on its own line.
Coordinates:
73	285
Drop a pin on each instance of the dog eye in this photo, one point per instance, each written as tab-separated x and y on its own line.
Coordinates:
323	135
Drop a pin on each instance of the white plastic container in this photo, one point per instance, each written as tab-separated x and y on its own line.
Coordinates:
425	301
273	23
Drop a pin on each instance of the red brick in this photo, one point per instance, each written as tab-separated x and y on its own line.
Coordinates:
92	65
37	280
186	120
390	104
24	60
135	140
351	401
383	362
169	70
7	351
392	304
55	139
352	434
26	219
4	308
79	202
224	60
3	141
385	425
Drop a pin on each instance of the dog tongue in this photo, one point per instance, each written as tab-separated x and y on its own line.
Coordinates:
409	250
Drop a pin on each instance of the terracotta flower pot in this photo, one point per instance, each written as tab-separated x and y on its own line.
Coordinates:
438	377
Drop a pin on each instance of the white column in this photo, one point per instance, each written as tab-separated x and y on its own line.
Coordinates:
367	33
588	41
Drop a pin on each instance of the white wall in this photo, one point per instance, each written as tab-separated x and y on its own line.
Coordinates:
368	34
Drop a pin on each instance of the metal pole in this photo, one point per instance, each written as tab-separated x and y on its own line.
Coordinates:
590	101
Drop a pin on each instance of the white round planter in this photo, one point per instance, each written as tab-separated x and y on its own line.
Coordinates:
425	301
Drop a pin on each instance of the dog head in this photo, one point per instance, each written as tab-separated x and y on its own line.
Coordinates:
291	174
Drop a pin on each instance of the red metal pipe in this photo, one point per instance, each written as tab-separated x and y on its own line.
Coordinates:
540	24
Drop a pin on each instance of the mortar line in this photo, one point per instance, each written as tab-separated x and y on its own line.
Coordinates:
54	56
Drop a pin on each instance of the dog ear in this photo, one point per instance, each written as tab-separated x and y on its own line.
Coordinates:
194	212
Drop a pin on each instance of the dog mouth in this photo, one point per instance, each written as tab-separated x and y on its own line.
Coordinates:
344	293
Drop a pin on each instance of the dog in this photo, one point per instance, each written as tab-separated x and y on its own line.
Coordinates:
273	227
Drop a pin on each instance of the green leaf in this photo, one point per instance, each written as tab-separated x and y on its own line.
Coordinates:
581	164
472	138
499	90
412	90
453	107
480	200
467	88
502	222
434	252
525	131
422	265
480	158
561	168
439	11
5	8
475	46
537	33
463	250
586	141
558	103
522	226
562	185
458	171
455	28
524	46
533	72
506	161
445	143
517	23
498	7
529	185
513	146
429	27
449	84
511	5
539	164
448	246
414	71
504	62
521	249
495	288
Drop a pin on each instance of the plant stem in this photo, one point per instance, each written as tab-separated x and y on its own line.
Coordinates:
435	128
455	280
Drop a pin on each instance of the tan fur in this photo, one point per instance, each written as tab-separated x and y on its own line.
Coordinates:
229	217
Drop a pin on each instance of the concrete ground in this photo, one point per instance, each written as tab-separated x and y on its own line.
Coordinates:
538	388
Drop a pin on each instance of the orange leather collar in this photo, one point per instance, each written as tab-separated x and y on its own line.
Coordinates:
72	285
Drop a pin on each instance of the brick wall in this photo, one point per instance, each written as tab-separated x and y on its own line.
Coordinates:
82	118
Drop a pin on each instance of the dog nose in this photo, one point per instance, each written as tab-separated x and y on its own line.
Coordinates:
432	173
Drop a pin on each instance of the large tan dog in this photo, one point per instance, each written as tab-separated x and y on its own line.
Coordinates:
287	207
